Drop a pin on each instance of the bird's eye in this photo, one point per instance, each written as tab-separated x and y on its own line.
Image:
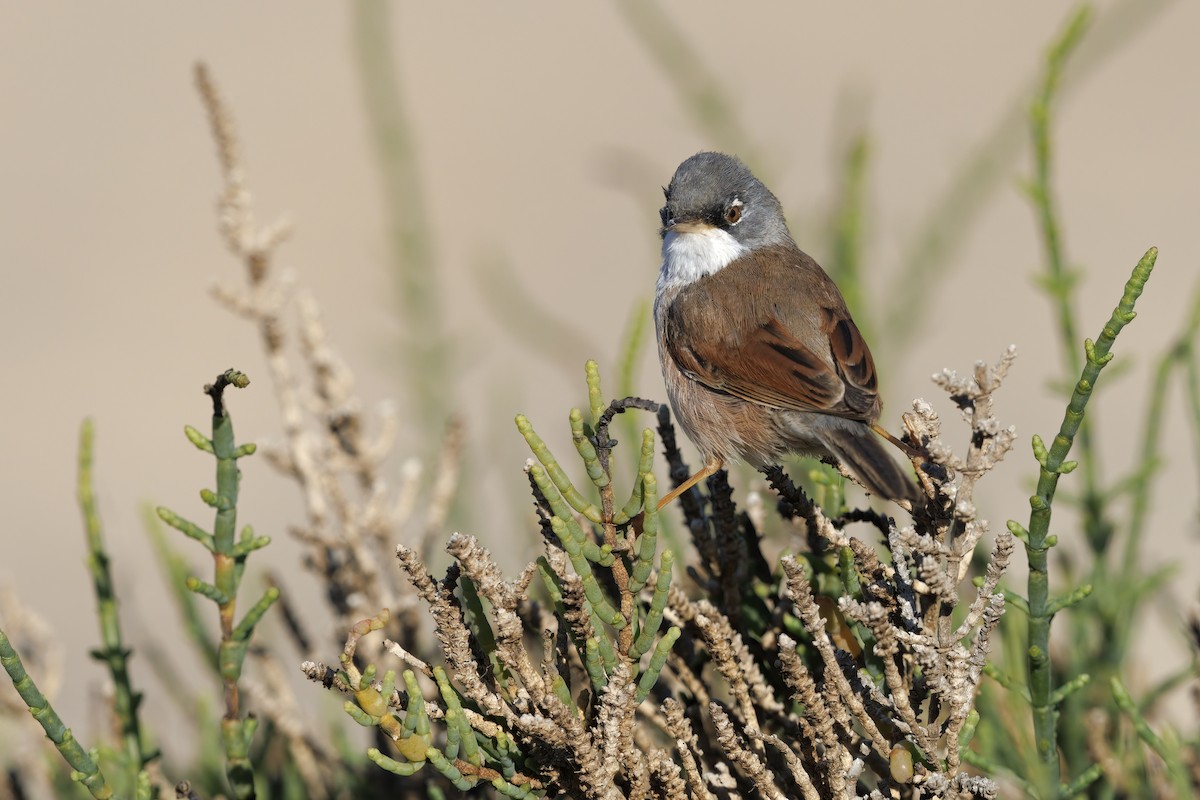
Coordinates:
733	214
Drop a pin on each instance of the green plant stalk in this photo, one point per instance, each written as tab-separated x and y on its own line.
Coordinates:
454	737
654	613
601	607
413	260
846	265
403	769
236	735
540	327
946	223
1120	604
596	404
602	555
510	790
569	493
1059	280
482	628
1037	538
416	719
1192	372
593	664
456	719
587	451
633	346
1169	752
1177	355
657	661
227	573
452	773
697	87
1080	784
86	770
229	560
645	464
647	542
114	654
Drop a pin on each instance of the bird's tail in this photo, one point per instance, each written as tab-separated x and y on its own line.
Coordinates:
863	453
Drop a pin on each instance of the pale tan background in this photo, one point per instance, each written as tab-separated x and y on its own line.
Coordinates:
108	245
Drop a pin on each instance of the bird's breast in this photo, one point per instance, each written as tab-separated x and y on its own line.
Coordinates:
718	423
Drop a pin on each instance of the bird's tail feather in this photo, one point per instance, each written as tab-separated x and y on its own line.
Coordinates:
863	453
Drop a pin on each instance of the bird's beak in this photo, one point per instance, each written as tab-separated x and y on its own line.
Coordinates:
686	226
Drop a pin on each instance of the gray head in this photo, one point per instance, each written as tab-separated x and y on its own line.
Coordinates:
717	190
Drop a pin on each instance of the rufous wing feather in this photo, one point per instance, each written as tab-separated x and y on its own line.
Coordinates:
752	348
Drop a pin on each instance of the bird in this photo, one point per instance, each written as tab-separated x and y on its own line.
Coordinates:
759	354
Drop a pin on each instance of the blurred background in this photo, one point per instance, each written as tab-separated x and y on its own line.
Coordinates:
541	135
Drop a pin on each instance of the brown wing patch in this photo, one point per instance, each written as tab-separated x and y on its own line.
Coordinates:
757	348
853	361
778	369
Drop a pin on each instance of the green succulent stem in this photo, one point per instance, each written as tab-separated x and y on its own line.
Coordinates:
555	472
653	617
1039	539
1059	279
401	768
1181	352
426	351
86	770
229	552
114	653
657	661
645	465
1168	749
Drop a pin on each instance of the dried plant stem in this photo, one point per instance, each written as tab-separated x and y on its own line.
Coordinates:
353	517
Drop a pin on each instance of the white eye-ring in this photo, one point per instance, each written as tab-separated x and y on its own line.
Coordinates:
733	213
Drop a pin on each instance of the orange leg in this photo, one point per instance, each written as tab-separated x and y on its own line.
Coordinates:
710	467
908	451
918	461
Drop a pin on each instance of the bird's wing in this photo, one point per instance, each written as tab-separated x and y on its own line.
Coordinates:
772	328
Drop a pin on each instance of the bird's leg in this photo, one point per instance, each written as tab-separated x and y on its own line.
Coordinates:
711	466
919	459
909	451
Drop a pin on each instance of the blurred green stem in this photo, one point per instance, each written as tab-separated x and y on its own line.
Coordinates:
113	653
1059	280
1181	354
698	87
1192	372
426	349
1174	757
638	330
946	223
177	570
87	771
846	265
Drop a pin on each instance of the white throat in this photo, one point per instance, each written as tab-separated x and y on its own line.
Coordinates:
688	257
